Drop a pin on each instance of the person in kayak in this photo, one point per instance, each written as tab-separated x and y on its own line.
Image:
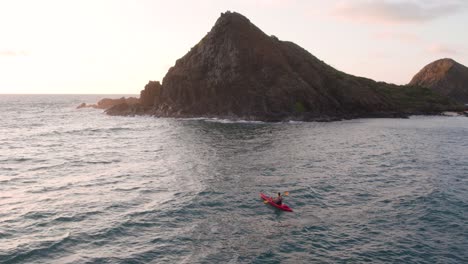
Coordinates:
278	200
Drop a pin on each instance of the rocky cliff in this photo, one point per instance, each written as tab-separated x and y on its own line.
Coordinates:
237	71
446	77
150	95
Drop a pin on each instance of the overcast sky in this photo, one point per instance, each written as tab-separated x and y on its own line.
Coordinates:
116	46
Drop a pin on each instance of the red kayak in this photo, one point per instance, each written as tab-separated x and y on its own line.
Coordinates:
272	203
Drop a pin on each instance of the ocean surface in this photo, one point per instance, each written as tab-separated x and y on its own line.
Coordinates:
78	186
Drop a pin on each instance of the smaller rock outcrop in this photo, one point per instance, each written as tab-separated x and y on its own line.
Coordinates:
107	103
82	105
446	77
150	95
125	109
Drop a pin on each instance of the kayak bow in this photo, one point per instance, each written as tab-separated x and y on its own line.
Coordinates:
272	203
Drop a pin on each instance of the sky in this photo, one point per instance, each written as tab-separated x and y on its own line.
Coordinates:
117	46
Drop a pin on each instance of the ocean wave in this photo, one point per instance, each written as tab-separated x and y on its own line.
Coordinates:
84	131
17	160
98	182
190	118
41	249
119	189
35	215
76	217
233	121
84	163
47	167
218	120
46	189
101	161
5	235
295	122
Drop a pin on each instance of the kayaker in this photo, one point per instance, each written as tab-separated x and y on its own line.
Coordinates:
278	200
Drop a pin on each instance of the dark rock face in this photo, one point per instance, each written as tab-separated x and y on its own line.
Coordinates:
237	71
125	109
150	95
446	77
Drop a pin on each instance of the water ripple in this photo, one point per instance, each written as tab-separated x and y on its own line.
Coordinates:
100	189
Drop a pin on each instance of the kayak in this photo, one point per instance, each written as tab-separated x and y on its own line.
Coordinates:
272	203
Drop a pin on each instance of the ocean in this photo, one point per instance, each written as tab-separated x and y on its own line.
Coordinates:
78	186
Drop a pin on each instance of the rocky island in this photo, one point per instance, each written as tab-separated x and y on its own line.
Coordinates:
238	72
445	77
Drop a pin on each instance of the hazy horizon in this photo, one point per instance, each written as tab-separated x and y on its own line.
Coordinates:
116	47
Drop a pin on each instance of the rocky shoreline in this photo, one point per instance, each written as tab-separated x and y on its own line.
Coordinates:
133	107
140	110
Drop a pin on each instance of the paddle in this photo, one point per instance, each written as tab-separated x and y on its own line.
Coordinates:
284	194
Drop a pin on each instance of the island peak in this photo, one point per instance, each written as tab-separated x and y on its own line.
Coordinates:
237	71
446	77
